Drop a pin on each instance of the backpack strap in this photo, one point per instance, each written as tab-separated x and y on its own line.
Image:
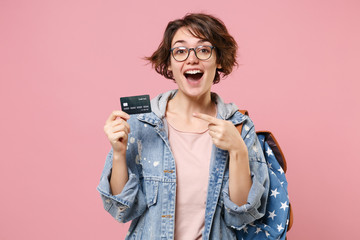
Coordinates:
245	112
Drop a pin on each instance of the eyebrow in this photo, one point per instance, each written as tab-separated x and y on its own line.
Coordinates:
183	41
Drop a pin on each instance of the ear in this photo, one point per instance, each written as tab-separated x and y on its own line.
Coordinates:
218	66
169	68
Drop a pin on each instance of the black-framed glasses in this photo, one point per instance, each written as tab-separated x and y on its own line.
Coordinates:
180	54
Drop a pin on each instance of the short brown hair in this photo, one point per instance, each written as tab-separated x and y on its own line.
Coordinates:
203	26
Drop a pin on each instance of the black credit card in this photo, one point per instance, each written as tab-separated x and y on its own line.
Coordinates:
136	104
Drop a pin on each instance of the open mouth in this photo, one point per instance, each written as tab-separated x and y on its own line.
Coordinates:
193	75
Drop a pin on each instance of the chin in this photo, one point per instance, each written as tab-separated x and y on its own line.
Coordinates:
194	88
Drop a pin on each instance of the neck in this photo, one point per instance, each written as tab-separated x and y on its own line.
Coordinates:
187	105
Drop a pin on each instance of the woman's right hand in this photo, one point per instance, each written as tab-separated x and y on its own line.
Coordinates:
117	129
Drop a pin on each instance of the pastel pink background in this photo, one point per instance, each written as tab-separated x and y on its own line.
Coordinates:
64	65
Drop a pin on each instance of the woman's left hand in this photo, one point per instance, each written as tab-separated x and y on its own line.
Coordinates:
224	134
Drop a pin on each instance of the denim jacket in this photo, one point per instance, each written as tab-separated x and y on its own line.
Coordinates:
148	198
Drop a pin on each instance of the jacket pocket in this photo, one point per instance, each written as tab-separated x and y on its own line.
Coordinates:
151	188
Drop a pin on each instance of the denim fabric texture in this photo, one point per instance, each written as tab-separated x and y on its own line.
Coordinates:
148	198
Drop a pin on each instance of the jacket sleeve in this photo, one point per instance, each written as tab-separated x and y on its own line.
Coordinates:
238	216
130	203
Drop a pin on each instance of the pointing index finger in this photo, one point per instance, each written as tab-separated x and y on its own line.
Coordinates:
205	117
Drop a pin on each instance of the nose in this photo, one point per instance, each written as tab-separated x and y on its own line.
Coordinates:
192	57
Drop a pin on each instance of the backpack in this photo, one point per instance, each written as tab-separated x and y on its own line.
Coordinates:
278	218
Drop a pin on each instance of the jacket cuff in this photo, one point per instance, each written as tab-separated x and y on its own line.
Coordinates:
238	216
125	199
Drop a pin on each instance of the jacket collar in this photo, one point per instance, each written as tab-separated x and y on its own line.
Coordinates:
225	111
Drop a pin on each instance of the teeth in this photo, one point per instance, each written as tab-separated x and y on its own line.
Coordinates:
193	71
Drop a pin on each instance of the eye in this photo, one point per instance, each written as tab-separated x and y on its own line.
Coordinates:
203	49
180	50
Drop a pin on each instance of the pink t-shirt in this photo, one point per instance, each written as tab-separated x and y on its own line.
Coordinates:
192	152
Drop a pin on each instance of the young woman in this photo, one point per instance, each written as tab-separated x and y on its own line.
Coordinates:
184	171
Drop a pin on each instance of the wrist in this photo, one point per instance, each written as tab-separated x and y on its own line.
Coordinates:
238	154
119	155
